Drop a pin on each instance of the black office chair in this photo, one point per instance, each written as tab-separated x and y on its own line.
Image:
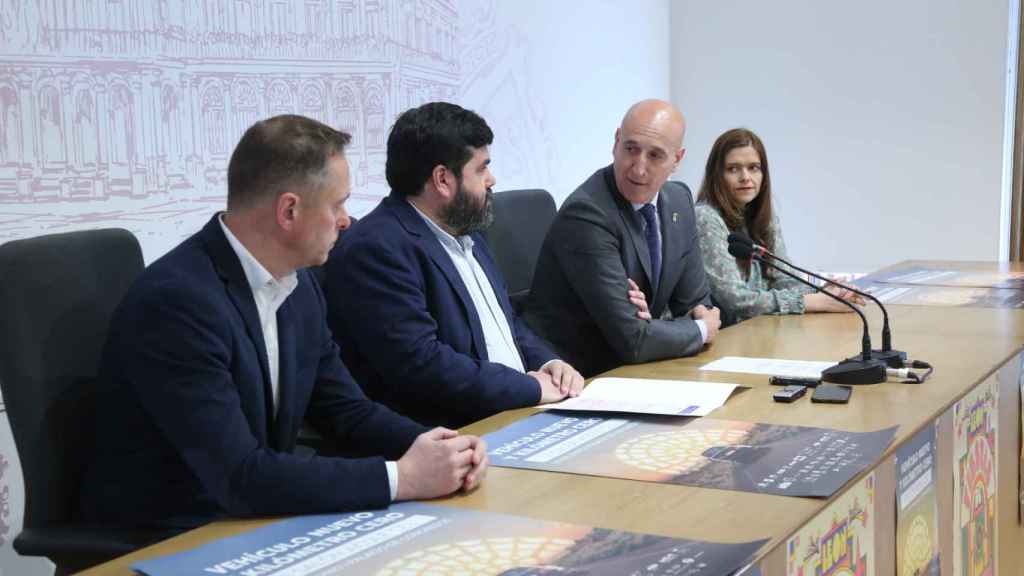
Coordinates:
521	221
56	300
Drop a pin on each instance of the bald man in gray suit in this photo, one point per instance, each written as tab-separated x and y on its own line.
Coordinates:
620	279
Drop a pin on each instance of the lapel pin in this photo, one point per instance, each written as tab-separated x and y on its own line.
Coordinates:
675	216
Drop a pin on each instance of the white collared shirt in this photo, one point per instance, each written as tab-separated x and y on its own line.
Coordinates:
269	293
501	345
654	201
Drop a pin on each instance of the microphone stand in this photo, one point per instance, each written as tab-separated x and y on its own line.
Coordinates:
891	358
861	369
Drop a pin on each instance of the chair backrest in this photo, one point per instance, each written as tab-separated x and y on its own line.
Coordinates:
521	221
57	297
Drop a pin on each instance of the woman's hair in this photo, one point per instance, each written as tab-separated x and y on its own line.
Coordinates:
757	216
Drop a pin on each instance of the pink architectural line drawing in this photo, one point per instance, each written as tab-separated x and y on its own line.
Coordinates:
134	103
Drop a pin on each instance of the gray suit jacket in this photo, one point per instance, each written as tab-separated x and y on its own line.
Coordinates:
579	299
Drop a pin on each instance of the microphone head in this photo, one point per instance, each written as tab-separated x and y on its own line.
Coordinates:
740	237
741	250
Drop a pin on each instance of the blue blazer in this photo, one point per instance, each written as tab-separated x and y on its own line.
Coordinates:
408	329
185	428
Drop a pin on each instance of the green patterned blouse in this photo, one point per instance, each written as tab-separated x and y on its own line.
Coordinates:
746	297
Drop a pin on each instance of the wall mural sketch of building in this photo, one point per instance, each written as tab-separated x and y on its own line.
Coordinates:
496	82
125	113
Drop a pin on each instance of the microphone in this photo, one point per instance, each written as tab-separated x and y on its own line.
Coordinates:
861	369
892	358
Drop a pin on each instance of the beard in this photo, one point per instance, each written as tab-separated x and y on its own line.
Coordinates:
465	214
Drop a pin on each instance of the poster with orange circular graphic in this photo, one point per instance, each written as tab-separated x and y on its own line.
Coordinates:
420	539
917	512
703	452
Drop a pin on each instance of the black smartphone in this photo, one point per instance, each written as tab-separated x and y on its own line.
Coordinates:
832	394
793	381
789	393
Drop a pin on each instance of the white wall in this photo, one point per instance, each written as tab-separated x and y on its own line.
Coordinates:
569	71
883	121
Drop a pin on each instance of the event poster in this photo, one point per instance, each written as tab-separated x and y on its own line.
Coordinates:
840	540
426	539
919	275
1020	441
947	296
975	442
704	452
752	570
917	507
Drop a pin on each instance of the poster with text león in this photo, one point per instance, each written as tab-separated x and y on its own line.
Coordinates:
840	540
975	445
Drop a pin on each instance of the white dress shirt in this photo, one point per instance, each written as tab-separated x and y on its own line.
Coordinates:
269	293
501	345
654	201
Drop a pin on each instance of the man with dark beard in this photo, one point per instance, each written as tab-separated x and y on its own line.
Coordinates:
415	300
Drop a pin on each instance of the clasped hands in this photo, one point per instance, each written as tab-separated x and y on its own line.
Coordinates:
439	462
558	380
442	461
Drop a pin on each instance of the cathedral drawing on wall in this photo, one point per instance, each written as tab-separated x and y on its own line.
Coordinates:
126	111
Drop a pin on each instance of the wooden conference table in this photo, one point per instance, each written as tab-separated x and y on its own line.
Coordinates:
967	346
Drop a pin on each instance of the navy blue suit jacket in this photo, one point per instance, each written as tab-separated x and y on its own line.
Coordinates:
186	432
408	329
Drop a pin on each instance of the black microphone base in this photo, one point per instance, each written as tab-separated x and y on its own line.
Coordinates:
891	358
855	371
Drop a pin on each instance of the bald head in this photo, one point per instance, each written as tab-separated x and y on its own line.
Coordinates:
656	116
648	148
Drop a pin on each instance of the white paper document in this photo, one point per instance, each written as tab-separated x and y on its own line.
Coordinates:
642	396
770	366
